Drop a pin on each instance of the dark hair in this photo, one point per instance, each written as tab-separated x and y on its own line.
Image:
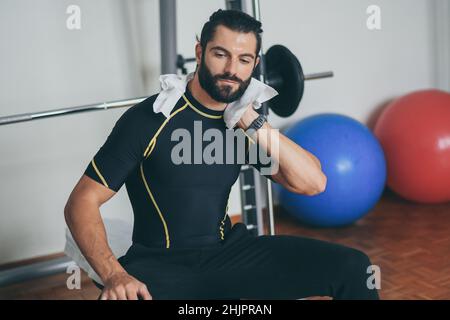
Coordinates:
234	20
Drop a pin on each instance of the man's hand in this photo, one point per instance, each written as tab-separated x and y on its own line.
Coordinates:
122	286
247	118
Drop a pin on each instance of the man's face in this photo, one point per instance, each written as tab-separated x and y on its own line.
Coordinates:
227	64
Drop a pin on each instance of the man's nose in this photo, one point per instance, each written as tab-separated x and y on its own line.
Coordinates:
231	67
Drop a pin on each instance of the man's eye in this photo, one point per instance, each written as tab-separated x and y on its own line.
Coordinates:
220	55
245	61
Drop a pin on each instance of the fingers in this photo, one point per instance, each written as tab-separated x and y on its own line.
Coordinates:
108	295
112	296
131	292
143	292
128	292
121	293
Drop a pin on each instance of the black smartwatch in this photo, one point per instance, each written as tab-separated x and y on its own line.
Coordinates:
255	125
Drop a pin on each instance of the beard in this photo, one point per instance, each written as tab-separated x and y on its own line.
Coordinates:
220	93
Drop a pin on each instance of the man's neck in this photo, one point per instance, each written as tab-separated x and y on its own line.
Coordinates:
203	97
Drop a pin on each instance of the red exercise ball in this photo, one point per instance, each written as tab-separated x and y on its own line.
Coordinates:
414	131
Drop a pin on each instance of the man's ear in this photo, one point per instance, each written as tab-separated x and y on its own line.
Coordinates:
256	61
198	53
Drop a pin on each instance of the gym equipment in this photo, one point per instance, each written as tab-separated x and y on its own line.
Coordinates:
278	67
281	69
250	179
66	111
35	270
284	73
414	131
353	161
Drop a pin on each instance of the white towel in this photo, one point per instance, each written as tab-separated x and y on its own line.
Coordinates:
173	87
256	93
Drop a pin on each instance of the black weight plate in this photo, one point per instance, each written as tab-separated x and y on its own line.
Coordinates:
285	74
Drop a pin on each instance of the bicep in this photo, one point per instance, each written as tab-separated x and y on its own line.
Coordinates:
89	190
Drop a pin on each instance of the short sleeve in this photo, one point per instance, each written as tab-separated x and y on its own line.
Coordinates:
120	154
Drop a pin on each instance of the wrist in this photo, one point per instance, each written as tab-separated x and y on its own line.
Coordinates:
112	269
247	118
258	123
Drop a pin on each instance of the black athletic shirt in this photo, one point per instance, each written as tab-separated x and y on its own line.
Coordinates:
174	205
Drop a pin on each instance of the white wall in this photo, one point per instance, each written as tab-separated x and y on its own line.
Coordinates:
441	42
44	66
370	66
116	55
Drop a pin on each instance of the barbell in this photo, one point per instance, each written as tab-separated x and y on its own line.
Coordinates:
284	74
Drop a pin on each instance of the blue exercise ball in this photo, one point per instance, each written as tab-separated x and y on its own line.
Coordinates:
354	163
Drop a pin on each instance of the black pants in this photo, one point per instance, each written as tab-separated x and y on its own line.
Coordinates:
252	267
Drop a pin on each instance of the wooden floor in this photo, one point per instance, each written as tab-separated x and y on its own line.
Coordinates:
410	243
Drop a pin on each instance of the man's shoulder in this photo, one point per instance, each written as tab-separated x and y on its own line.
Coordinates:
142	114
144	108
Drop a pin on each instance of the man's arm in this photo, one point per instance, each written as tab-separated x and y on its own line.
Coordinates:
299	170
82	214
